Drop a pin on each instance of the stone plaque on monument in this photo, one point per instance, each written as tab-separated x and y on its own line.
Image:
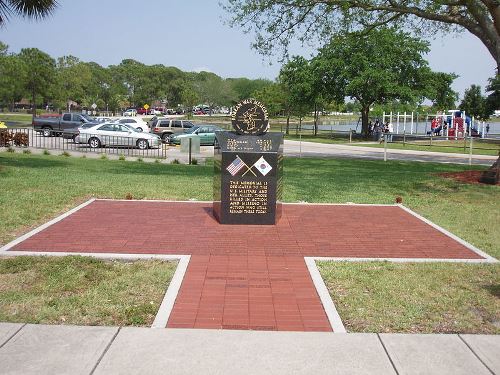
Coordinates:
248	169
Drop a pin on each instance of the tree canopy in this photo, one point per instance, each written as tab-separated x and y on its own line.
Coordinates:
41	72
33	9
473	103
383	66
277	22
493	98
67	79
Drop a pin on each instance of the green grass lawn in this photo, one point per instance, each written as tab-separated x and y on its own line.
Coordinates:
80	290
415	297
35	188
22	119
478	147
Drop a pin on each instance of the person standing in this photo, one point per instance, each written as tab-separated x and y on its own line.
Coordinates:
389	129
487	129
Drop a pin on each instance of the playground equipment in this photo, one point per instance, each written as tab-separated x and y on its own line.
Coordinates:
453	124
401	121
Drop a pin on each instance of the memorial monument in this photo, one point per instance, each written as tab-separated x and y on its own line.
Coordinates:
248	165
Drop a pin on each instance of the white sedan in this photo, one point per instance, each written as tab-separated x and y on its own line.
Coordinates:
138	123
114	134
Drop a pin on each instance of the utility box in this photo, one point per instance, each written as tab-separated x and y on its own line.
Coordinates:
195	143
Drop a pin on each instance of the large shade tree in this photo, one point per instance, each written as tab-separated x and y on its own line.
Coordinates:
474	103
276	22
379	67
41	74
33	9
302	83
13	74
493	98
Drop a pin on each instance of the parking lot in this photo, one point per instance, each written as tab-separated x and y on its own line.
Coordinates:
36	142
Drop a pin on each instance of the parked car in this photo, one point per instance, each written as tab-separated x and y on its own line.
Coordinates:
115	134
102	119
130	112
155	111
137	123
205	132
67	124
165	127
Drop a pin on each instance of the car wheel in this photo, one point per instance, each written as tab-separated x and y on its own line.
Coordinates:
142	144
46	132
166	137
94	142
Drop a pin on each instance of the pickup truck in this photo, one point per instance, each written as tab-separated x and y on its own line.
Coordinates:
66	125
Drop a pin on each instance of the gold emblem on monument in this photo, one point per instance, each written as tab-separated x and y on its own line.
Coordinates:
250	117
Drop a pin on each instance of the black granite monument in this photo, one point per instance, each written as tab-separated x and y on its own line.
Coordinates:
248	169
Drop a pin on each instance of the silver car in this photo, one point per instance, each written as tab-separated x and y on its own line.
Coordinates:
114	134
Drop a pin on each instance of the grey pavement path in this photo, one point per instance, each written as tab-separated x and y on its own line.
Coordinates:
42	349
310	149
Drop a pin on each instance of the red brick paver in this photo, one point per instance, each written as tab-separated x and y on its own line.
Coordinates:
247	277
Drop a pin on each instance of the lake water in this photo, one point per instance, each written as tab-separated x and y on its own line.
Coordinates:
418	127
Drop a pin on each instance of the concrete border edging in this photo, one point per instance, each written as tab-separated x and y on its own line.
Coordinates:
44	226
165	309
324	295
487	258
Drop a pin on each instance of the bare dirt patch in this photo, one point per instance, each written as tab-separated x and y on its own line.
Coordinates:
469	177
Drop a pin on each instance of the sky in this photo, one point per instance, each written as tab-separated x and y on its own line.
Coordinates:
192	35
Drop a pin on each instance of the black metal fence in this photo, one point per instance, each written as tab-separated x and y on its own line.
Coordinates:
146	146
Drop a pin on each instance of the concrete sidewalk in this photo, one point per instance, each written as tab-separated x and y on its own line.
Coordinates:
314	149
42	349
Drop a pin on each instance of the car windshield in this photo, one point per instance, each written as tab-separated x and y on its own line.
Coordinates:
87	125
130	128
87	117
192	130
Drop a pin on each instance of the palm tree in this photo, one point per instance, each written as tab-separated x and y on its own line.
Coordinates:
34	9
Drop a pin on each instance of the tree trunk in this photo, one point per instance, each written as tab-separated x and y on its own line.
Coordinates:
315	120
287	130
33	104
364	120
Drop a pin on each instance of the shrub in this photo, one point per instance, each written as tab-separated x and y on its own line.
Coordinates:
26	151
104	157
129	196
176	161
65	153
140	160
21	139
194	161
10	149
5	138
121	157
46	152
157	161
